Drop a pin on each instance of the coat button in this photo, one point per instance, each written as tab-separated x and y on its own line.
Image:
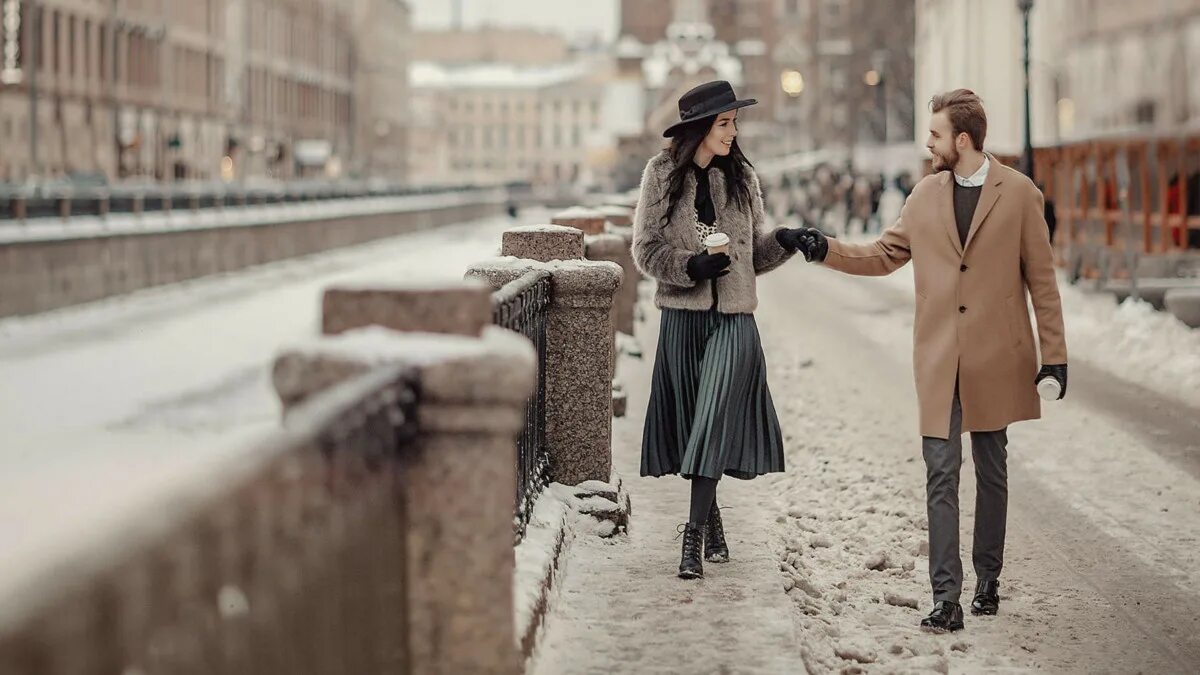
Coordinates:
962	268
962	310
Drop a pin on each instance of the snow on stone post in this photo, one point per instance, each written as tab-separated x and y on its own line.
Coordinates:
579	355
458	480
617	216
588	221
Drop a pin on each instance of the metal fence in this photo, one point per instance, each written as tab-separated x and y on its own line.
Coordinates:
521	306
293	564
64	200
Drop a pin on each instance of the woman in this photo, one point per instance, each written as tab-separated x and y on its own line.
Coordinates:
710	411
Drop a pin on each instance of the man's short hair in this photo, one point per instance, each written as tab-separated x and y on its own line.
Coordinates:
965	110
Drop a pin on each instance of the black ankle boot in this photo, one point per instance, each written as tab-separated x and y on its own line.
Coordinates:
946	617
987	598
690	566
715	548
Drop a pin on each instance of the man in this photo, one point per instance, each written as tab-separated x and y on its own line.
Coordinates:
977	238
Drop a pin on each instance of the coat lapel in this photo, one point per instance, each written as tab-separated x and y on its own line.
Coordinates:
987	198
946	211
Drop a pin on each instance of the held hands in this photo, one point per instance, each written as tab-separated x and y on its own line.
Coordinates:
812	243
1058	372
708	266
791	238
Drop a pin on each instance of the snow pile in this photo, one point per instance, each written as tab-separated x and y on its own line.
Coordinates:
560	515
542	229
379	345
1134	342
538	561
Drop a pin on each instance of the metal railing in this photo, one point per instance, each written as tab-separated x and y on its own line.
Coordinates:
520	306
61	201
295	563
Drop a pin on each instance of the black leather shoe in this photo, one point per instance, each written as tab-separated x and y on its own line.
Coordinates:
946	617
715	548
690	565
987	598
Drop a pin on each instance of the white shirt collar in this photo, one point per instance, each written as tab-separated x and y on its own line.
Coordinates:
977	179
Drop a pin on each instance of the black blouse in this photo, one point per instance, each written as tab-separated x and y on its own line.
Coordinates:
705	211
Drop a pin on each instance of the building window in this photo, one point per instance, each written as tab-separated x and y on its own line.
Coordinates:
834	10
103	60
55	42
71	46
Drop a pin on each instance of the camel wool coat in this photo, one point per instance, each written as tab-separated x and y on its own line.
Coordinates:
972	320
662	244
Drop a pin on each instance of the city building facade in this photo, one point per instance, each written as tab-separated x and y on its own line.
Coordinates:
174	89
492	123
827	73
383	30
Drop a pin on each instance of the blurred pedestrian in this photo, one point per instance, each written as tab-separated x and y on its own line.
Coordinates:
1049	213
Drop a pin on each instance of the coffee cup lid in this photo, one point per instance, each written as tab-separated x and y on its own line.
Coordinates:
716	239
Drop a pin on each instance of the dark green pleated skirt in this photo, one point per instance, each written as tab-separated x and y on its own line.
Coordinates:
710	410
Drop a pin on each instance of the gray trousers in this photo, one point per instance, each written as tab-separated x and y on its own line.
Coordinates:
943	459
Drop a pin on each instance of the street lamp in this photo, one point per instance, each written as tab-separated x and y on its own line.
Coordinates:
1027	160
792	82
874	78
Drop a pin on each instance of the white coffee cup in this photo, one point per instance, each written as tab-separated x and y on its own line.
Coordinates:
717	242
1049	388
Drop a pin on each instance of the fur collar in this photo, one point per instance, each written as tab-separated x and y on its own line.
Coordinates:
662	165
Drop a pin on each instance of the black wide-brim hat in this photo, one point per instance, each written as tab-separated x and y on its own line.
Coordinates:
707	100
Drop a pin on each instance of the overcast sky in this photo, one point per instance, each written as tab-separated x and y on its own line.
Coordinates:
573	17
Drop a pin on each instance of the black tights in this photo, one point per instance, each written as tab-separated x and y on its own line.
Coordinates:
704	494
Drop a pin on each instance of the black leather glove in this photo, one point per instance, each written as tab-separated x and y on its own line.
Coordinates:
792	239
816	245
1058	372
708	266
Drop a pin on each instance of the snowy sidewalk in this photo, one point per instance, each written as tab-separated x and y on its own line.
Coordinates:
830	558
621	609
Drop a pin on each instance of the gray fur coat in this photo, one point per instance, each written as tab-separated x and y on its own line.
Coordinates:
661	250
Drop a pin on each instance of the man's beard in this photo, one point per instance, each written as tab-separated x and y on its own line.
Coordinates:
945	162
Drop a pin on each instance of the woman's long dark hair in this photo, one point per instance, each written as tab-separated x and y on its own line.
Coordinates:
735	166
